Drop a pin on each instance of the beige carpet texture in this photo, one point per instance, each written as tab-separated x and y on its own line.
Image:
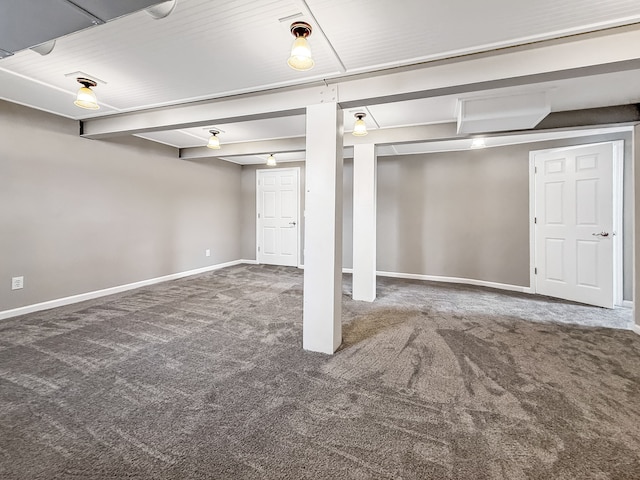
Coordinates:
205	378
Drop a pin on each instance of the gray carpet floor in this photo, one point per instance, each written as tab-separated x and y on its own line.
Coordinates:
205	378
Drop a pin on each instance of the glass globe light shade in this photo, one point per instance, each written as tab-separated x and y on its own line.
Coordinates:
359	128
214	142
86	99
300	58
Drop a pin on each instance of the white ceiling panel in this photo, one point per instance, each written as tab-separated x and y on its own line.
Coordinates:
18	89
282	127
369	33
571	94
434	147
496	141
415	112
210	49
267	129
203	49
595	91
174	138
262	159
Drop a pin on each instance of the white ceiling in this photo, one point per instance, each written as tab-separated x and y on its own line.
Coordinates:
207	49
436	147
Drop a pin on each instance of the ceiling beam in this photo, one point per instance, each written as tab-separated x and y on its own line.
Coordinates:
579	56
569	120
383	136
282	145
616	115
583	55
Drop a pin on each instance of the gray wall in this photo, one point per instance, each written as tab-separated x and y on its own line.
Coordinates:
78	215
455	214
466	214
248	239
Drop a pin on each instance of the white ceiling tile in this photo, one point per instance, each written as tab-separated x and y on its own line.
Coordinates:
262	159
202	50
368	33
415	112
495	141
207	49
24	91
174	138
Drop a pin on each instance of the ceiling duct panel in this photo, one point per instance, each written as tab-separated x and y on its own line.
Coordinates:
25	24
501	114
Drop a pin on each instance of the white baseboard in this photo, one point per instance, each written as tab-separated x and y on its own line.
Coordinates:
344	270
110	291
636	328
627	304
249	262
435	278
465	281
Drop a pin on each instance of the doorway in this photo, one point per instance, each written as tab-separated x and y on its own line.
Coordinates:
277	216
576	223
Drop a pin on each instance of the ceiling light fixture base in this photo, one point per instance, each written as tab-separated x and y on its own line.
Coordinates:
300	29
86	82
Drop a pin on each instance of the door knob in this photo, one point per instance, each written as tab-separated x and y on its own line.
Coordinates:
601	234
292	223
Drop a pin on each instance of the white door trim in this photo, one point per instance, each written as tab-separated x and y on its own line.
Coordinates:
258	205
618	200
618	222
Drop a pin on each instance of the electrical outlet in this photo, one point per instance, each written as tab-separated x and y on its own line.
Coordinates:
17	283
207	253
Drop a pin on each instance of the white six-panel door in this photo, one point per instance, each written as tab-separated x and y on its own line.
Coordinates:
277	210
574	223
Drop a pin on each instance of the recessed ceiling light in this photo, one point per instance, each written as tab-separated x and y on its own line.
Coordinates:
478	142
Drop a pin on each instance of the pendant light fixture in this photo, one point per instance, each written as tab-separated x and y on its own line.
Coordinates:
214	141
271	160
300	58
359	127
86	98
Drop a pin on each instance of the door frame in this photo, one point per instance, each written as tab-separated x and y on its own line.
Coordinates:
259	204
618	220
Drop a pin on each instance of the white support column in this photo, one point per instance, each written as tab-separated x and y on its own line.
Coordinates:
322	314
364	222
